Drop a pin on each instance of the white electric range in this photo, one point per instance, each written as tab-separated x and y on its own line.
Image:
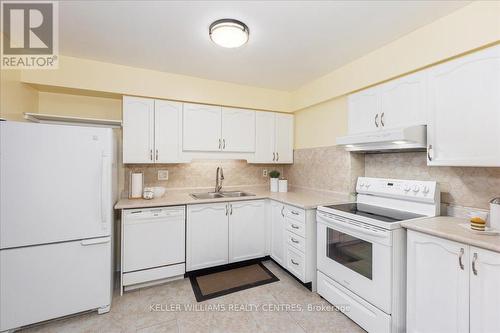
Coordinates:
361	256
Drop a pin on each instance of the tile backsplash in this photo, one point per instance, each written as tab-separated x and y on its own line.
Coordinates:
202	173
325	168
463	186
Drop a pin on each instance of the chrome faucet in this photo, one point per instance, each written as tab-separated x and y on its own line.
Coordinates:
219	177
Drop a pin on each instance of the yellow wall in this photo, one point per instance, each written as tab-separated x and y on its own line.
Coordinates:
79	105
98	76
15	97
320	124
466	29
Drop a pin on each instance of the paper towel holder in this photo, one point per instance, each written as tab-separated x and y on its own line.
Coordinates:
130	184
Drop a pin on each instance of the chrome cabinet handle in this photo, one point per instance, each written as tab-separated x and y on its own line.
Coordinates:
223	143
220	143
157	154
294	212
294	240
429	148
376	120
282	208
274	157
230	209
382	119
474	259
460	263
227	208
151	154
295	226
294	262
277	156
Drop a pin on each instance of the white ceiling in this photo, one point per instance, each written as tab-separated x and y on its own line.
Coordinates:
291	42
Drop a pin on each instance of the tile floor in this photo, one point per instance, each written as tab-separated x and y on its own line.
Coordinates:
154	310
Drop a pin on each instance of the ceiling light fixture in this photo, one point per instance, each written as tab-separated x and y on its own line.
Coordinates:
229	33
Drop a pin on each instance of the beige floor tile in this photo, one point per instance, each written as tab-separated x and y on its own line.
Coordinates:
169	327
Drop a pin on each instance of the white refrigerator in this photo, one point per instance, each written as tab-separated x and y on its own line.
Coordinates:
57	191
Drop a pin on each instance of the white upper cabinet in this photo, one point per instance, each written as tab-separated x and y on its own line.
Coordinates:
397	103
264	137
151	130
484	291
363	111
464	119
201	128
402	101
437	285
138	130
168	134
273	138
238	130
284	138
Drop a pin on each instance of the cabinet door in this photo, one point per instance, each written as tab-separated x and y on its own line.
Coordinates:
264	137
207	236
168	124
437	285
284	138
484	291
247	230
277	233
464	120
138	130
403	101
238	130
201	127
363	111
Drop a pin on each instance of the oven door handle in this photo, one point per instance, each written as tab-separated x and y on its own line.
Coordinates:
327	220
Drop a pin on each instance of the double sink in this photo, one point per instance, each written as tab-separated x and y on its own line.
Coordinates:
222	194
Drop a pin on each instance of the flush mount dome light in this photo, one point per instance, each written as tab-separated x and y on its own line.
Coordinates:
229	33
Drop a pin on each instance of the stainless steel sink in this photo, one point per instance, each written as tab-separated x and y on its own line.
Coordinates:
206	195
223	194
235	194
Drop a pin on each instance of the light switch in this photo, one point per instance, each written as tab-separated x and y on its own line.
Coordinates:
162	174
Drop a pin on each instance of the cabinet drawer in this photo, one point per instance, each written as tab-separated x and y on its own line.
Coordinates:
296	241
295	213
153	274
296	263
295	226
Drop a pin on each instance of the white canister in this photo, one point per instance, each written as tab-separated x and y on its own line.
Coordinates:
495	214
283	185
274	184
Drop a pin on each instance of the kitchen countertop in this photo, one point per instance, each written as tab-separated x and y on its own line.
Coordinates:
298	197
448	227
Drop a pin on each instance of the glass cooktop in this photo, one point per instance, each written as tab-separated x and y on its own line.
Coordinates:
378	213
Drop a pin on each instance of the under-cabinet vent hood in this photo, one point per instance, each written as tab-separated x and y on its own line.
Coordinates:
397	139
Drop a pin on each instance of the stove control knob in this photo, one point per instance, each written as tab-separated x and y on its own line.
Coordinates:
407	188
416	188
361	185
425	188
367	185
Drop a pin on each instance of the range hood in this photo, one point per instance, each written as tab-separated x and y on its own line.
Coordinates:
412	138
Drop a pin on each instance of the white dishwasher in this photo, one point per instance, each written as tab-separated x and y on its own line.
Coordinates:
153	245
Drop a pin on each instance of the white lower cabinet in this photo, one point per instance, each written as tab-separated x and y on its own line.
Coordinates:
484	291
451	287
207	236
247	230
277	233
225	232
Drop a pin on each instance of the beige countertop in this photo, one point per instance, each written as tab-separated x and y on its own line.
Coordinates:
298	197
448	227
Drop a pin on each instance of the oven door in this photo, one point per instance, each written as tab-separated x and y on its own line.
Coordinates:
358	256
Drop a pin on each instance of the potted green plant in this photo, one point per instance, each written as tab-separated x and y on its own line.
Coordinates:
274	175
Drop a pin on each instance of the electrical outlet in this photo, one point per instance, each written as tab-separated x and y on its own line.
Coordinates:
264	173
162	174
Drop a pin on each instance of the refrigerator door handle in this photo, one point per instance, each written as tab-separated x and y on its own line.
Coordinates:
94	241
